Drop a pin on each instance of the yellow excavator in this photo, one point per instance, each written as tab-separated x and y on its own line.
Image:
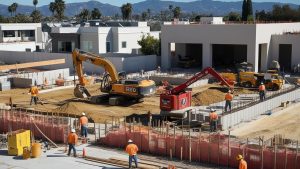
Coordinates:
118	88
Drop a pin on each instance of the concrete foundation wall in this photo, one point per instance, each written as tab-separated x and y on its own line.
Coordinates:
122	62
256	110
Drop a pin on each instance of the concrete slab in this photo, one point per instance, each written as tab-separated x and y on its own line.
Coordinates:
56	158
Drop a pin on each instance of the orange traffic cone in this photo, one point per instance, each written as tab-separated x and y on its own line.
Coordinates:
83	152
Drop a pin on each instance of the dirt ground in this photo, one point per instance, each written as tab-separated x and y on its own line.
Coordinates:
62	102
285	122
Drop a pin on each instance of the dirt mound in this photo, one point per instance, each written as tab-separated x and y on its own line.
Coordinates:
68	108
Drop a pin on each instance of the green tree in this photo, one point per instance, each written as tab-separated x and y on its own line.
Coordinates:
9	8
36	16
21	18
14	7
244	11
84	14
149	13
249	9
52	7
176	12
126	10
233	16
96	14
144	16
149	45
35	2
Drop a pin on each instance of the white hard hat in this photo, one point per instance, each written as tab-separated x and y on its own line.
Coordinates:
262	83
73	131
212	110
130	141
83	113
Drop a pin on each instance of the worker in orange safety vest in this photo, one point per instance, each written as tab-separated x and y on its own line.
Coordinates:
262	91
213	116
83	121
34	91
228	99
242	162
132	150
72	141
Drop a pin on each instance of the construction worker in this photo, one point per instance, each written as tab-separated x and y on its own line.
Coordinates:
83	121
132	150
72	141
34	92
262	91
213	116
242	162
228	99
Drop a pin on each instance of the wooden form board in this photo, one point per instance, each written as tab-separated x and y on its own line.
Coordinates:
33	64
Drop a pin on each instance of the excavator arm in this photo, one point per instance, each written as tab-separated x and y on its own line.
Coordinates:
79	57
198	76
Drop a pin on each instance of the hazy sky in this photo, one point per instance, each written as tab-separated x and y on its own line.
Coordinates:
119	2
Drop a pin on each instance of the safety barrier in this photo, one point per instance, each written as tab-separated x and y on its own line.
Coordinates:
215	149
55	128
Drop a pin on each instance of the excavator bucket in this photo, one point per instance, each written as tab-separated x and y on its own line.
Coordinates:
81	92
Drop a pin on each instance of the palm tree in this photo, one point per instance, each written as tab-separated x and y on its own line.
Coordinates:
35	2
14	7
84	14
96	14
60	9
36	16
126	10
176	12
52	7
10	10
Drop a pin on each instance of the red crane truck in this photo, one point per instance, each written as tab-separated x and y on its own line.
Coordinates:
177	101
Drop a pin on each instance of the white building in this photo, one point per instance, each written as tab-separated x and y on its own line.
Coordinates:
99	37
223	45
21	37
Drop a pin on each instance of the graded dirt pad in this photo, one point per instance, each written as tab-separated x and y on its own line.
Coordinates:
63	102
214	94
285	122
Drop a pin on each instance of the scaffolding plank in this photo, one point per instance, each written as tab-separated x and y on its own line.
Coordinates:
33	64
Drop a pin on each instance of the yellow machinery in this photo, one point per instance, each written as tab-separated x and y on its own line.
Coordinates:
272	80
17	140
118	88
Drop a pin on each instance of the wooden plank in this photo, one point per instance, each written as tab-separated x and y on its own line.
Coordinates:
33	64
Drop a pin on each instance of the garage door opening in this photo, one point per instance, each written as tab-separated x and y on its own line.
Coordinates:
227	56
186	55
285	57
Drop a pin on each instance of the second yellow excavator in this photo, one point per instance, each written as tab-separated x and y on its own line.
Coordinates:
119	89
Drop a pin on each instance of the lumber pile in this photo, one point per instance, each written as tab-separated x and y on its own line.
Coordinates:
32	64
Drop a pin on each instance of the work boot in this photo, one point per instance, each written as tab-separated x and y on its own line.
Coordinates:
75	155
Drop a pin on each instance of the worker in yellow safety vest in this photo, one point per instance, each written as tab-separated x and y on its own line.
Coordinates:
213	116
34	91
228	100
262	91
242	162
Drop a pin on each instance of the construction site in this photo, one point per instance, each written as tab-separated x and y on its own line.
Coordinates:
165	113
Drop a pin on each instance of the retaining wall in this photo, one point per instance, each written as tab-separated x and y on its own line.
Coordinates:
55	128
214	149
122	62
251	112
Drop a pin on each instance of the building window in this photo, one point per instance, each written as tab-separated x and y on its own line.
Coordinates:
87	46
124	44
66	46
8	33
108	47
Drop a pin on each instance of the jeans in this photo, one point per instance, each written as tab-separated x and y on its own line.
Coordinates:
84	131
134	157
227	104
213	126
33	99
72	147
262	95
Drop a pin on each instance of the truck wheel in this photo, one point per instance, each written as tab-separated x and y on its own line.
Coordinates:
247	84
275	87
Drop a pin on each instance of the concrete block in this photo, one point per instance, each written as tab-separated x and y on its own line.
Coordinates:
5	86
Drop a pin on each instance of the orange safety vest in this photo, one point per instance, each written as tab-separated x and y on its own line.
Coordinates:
228	97
72	138
34	91
213	116
262	88
83	121
132	149
243	164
